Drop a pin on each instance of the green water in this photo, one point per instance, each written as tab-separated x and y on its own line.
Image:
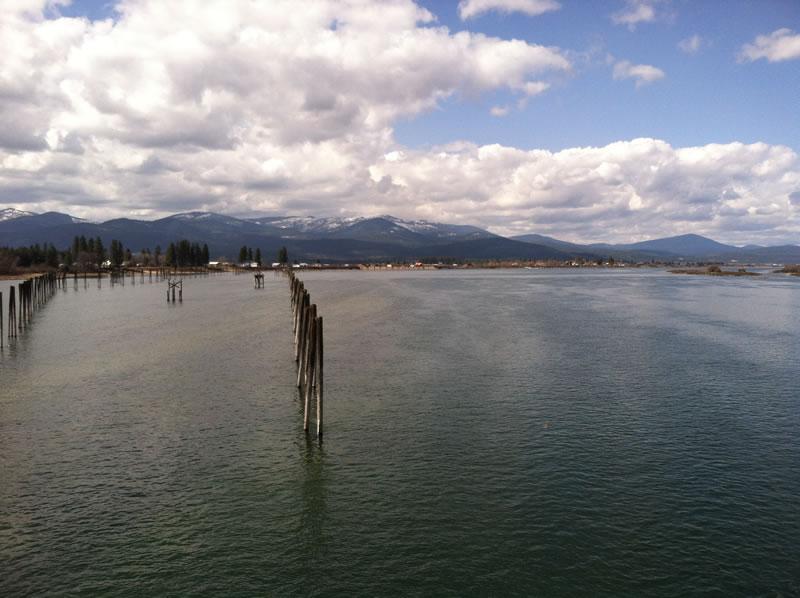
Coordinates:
488	433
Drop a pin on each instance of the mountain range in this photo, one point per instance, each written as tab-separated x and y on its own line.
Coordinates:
362	239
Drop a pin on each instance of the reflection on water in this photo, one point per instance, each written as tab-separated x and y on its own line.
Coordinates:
487	433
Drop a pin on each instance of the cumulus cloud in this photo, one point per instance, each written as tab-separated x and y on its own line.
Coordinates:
247	108
691	45
644	74
499	111
623	191
252	105
468	9
780	45
635	12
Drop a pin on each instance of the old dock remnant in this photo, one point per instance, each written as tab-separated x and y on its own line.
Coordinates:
29	295
173	284
308	349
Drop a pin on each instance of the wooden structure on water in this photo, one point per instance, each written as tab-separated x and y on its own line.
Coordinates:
172	285
33	294
308	349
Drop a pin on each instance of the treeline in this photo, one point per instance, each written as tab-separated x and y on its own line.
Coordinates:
91	255
246	254
45	255
184	253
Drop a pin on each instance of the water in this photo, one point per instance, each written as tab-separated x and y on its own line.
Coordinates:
550	433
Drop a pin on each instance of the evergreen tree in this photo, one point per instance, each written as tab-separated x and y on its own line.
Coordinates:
283	256
205	256
158	255
170	258
100	251
258	256
184	253
117	253
249	254
52	256
243	255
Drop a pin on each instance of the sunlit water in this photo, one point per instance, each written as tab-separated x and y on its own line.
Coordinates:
488	433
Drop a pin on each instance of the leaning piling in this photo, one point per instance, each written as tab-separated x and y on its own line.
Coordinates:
308	353
27	297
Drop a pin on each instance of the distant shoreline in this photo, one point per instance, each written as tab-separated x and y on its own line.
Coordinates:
717	272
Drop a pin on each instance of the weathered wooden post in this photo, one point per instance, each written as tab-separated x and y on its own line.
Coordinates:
12	313
21	293
308	350
308	370
305	349
318	376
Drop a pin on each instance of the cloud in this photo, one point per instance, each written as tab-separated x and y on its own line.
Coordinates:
623	191
635	12
499	111
239	88
691	45
249	109
468	9
644	74
780	45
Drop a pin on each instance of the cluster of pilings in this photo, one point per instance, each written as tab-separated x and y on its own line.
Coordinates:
308	346
33	294
173	284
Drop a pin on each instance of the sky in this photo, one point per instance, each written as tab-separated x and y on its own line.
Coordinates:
616	120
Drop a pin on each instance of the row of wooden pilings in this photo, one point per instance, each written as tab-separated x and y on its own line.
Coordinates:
308	349
33	294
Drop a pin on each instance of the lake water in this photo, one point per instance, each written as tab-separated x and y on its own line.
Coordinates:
487	433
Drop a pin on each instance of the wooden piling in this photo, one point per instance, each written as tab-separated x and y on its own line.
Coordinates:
318	375
12	314
308	350
307	371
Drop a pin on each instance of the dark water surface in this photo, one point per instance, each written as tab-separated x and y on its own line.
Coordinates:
488	433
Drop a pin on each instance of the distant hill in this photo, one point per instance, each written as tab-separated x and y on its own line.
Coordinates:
355	239
681	247
684	245
331	239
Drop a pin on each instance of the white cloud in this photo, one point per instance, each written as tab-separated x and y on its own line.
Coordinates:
635	12
499	111
228	105
691	45
468	9
248	108
624	191
644	74
780	45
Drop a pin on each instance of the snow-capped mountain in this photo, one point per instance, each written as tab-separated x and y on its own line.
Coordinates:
306	224
347	239
384	228
12	213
